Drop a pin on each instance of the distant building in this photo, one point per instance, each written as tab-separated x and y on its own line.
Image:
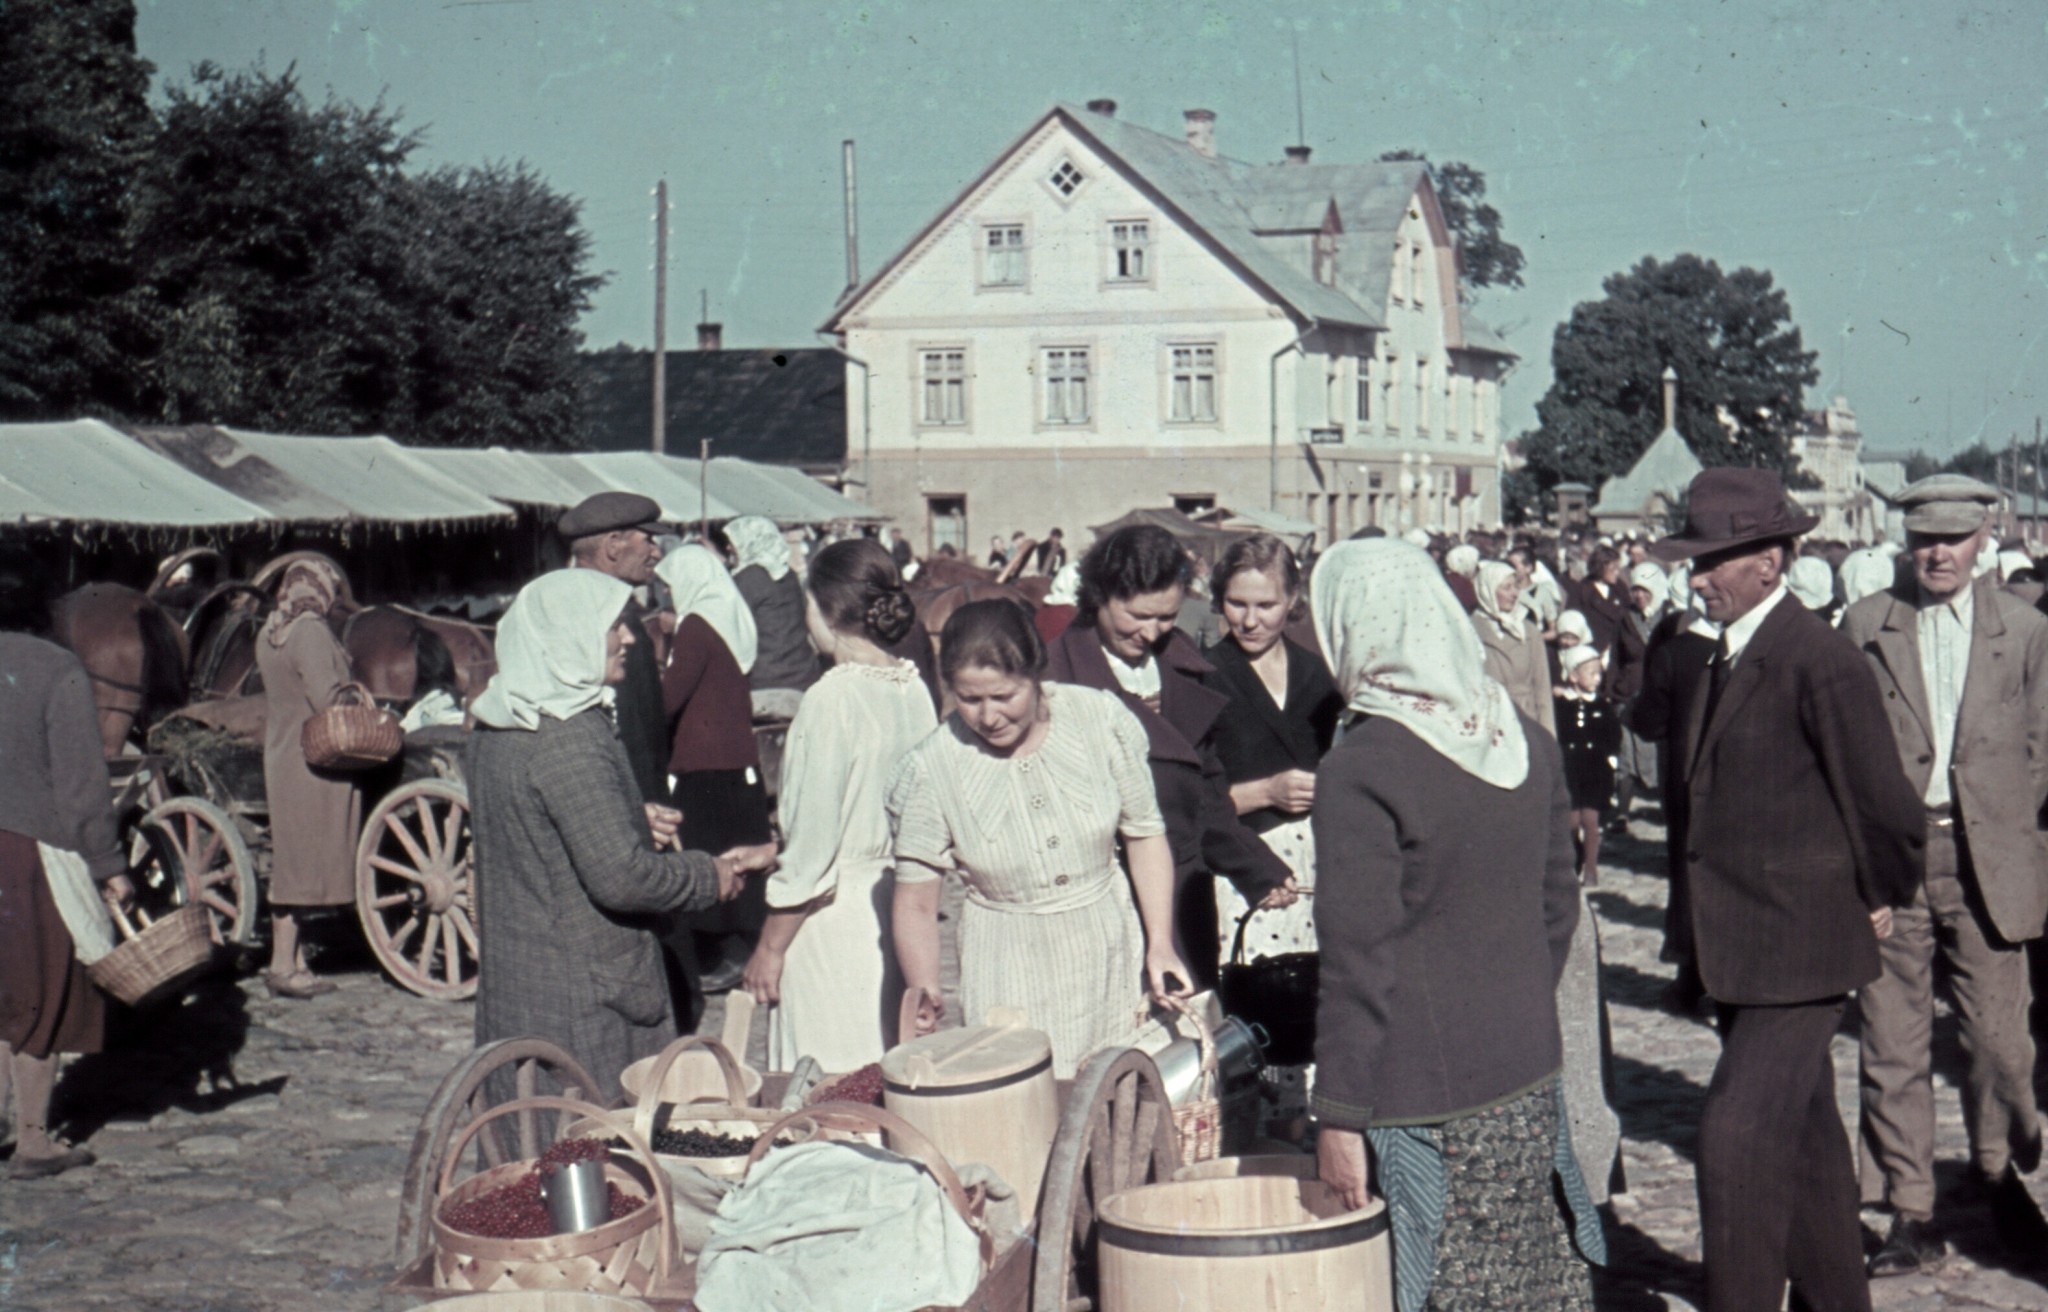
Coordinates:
1642	499
777	406
1829	448
1110	317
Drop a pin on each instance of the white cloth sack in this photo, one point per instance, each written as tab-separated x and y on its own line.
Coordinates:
79	903
837	1227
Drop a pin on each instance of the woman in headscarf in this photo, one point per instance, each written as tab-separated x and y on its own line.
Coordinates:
1514	650
1649	596
1445	906
784	663
713	758
1461	568
53	797
1123	641
571	870
1812	583
314	815
824	965
1865	572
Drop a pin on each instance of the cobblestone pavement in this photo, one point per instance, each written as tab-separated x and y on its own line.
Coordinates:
251	1149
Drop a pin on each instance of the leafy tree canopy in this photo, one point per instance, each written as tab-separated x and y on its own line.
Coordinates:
1741	365
1485	258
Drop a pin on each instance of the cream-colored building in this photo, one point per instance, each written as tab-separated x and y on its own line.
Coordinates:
1829	447
1108	318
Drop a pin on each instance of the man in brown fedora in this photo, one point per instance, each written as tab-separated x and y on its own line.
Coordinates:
1804	835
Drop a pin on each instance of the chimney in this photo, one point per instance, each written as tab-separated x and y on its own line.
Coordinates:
1297	154
1670	397
1106	108
1201	129
710	336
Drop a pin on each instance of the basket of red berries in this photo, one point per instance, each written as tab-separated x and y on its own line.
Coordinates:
493	1231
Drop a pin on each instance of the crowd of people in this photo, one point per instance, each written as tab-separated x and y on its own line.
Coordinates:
1399	758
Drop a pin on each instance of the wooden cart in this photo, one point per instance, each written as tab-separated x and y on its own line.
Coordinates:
1115	1132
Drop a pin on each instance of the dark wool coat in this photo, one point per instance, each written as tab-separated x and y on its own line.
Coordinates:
567	887
785	657
1256	739
1444	912
1801	822
643	724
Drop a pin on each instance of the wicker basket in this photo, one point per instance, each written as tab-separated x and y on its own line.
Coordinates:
1199	1121
155	957
629	1256
353	734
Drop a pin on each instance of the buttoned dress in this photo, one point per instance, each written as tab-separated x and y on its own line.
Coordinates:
1050	925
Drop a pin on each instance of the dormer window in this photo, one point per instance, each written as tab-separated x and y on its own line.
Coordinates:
1066	179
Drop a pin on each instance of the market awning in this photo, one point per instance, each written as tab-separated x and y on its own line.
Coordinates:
671	482
517	478
370	478
88	473
787	496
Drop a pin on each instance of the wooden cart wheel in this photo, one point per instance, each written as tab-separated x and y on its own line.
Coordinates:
413	889
1116	1133
189	850
462	1098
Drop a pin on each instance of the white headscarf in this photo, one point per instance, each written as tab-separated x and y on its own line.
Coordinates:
756	541
1987	559
1812	582
2011	561
1866	572
1402	648
1417	537
699	585
1491	575
1572	624
551	649
1066	586
1462	559
1650	577
1574	657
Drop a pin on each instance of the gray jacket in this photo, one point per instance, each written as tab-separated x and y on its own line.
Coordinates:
53	777
567	887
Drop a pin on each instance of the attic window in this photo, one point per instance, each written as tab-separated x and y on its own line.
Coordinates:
1066	179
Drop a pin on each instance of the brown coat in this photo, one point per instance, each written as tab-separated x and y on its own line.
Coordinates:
1802	822
1999	763
314	817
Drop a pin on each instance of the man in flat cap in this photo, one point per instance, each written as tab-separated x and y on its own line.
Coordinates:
1964	670
1803	835
613	533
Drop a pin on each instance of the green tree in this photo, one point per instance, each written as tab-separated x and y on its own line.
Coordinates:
74	122
1485	258
1742	373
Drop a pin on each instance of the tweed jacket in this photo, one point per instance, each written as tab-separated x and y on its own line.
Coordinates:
1998	769
1194	796
567	887
1800	820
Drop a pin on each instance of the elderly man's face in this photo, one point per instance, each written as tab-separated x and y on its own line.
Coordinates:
1731	583
1945	562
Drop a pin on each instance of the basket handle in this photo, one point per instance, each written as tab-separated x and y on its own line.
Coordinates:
665	1224
650	1092
1205	1043
907	1138
130	922
354	692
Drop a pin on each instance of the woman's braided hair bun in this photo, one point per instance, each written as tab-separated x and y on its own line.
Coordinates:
858	590
889	615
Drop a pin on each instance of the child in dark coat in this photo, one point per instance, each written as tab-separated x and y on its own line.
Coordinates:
1589	732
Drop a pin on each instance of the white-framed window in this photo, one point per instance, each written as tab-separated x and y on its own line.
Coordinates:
942	376
1191	383
1366	382
1065	179
1005	255
1390	392
1399	282
1067	385
945	521
1423	392
1455	403
1130	250
1415	272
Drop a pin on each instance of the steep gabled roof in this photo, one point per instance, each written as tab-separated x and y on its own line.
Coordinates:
784	406
1666	469
1238	209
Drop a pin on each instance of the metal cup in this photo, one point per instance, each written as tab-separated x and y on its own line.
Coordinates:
576	1195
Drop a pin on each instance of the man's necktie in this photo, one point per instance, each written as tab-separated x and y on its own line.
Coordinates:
1717	677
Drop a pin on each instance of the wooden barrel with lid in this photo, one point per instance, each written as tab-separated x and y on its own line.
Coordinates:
1254	1234
982	1094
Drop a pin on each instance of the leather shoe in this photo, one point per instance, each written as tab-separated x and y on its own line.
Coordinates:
1909	1248
41	1168
2016	1217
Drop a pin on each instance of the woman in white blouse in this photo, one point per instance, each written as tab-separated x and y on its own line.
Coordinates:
823	963
1025	791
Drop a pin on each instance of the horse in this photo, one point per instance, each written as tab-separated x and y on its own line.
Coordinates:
133	652
402	655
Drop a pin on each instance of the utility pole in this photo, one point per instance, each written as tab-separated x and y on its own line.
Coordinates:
661	317
704	489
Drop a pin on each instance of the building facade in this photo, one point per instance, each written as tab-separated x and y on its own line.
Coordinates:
1829	448
1109	318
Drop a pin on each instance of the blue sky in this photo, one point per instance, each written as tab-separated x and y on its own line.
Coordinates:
1887	161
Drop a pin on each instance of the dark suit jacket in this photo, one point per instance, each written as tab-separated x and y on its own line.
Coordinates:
1605	616
1256	739
1801	821
642	721
1194	797
1998	766
1674	672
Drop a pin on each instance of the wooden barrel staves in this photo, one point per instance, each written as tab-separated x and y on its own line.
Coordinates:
1254	1234
982	1095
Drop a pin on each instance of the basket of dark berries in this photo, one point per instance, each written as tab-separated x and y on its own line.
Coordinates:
492	1231
688	1137
863	1086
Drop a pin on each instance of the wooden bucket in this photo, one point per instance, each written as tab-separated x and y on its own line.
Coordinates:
697	1073
982	1095
631	1255
1253	1234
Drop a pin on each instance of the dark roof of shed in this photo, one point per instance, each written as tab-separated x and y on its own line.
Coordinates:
776	406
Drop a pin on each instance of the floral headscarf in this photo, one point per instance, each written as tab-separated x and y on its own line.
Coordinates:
1402	648
756	541
551	649
309	587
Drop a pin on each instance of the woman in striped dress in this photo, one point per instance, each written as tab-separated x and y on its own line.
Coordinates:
1025	790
